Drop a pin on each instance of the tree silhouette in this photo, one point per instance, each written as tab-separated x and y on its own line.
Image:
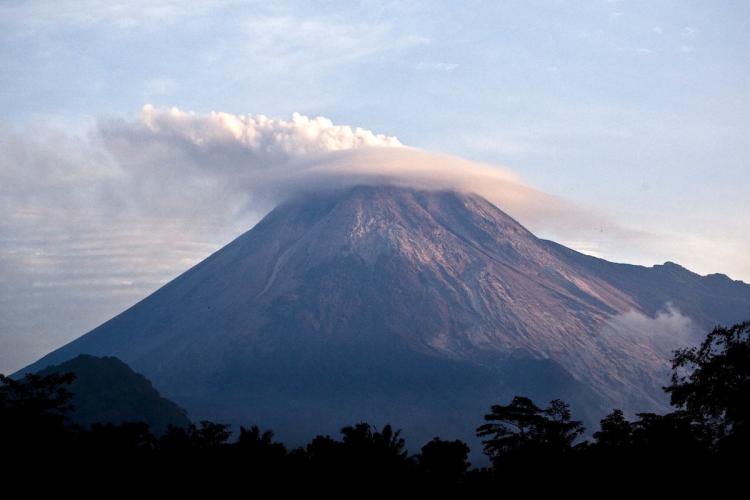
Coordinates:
363	452
33	411
444	461
523	429
510	427
36	395
674	436
259	449
366	442
123	438
559	432
712	383
208	436
615	433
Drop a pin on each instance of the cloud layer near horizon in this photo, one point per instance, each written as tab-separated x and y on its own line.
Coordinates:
92	224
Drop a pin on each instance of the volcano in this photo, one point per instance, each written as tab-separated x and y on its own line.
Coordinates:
420	308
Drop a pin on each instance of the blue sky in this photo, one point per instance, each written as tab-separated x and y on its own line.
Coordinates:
637	110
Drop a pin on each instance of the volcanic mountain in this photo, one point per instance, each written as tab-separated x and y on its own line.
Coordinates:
420	308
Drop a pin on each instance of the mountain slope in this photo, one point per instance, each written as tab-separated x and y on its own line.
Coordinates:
420	307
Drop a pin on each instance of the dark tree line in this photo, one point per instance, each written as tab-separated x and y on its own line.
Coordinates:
708	429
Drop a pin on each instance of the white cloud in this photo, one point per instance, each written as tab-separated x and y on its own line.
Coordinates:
690	32
259	134
649	342
292	45
44	15
668	330
436	66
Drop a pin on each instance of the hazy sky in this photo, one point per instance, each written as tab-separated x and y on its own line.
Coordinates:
636	111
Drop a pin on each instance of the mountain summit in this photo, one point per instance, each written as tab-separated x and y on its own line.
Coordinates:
416	307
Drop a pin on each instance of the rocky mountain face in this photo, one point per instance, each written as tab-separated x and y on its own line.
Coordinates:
420	308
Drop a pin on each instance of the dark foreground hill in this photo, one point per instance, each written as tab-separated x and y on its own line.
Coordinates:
106	390
387	304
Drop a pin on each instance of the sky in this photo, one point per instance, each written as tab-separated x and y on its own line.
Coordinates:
138	137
